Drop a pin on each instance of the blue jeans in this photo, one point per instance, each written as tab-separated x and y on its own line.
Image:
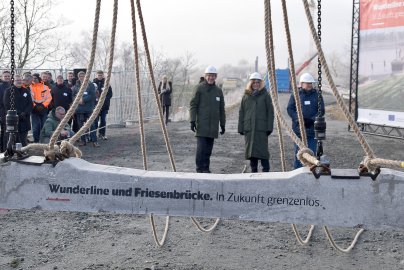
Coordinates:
81	119
312	144
38	121
102	117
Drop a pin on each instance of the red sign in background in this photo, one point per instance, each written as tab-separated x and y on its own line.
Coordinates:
376	14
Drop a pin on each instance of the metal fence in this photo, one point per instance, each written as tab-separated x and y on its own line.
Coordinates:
123	108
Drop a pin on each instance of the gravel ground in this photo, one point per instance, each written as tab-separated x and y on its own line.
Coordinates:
48	240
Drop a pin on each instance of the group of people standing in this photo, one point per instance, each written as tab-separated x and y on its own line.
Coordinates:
42	103
256	118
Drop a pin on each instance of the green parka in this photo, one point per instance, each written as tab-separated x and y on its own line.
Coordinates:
207	110
51	123
256	118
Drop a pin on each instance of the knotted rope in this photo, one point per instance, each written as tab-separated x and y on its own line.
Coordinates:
271	67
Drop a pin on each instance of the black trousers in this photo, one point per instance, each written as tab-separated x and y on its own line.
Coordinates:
254	164
204	148
3	137
166	112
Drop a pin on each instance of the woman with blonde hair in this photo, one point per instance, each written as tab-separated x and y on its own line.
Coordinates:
165	89
256	118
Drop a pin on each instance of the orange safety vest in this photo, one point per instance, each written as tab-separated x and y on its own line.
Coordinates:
41	94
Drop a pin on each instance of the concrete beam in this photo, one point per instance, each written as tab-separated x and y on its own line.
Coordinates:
290	197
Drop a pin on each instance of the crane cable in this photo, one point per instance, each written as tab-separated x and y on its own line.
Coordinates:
12	47
298	107
365	145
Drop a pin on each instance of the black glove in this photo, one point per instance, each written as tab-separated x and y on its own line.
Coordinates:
223	130
39	108
308	122
269	133
241	133
193	126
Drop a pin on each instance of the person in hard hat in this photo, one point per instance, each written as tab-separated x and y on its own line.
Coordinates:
309	100
165	89
256	121
206	114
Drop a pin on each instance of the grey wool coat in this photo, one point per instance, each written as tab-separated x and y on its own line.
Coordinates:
256	118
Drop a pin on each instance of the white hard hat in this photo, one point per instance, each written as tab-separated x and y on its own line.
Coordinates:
255	76
211	70
307	78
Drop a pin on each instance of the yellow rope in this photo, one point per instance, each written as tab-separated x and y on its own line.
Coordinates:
351	246
76	101
270	57
161	242
293	74
202	229
271	67
163	127
138	92
104	93
299	238
366	147
156	95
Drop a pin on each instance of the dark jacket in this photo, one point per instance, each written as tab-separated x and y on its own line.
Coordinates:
88	98
309	102
100	88
70	84
62	95
22	104
3	87
207	110
165	94
256	119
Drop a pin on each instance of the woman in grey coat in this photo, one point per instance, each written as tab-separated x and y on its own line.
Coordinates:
165	89
256	118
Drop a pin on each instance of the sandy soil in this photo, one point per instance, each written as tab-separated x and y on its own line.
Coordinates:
48	240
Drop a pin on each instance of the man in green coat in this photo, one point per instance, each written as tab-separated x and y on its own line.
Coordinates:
256	118
52	122
206	113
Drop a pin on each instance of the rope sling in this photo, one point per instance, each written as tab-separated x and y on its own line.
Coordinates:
159	243
305	155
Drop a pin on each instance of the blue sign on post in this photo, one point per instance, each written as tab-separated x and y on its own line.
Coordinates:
282	80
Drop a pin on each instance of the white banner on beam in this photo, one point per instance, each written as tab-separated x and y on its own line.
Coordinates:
291	197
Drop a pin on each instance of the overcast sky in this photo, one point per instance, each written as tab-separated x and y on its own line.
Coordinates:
217	32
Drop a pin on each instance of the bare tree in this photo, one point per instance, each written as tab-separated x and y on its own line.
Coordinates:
35	42
79	52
